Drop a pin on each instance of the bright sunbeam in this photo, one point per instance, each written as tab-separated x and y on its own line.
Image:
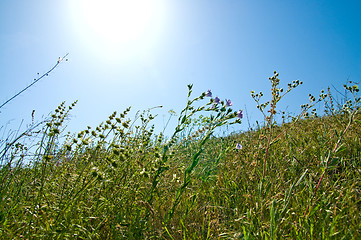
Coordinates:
116	24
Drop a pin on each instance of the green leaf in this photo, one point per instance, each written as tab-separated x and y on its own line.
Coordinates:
333	163
340	148
183	119
300	179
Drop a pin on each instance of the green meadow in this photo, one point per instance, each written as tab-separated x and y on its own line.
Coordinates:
295	178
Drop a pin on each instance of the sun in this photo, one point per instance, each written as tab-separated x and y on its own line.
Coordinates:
115	23
117	20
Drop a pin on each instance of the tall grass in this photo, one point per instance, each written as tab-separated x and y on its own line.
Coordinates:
121	180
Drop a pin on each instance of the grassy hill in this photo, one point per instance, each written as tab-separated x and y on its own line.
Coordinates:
121	180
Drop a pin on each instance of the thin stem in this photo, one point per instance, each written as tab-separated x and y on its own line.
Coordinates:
45	74
267	149
334	150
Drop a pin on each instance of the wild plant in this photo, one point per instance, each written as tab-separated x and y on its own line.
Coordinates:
221	116
36	80
350	109
269	113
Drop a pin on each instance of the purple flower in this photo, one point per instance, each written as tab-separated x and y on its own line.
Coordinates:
217	100
228	103
239	146
213	106
209	93
240	114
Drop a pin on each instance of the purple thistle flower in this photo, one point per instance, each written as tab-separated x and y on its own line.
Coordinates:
228	103
239	146
217	100
209	93
240	114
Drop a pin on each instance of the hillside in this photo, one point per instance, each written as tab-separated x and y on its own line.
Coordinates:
296	180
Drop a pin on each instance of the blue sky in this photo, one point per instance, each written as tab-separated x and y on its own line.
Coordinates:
147	57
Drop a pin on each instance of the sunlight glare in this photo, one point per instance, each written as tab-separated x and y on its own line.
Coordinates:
117	20
111	25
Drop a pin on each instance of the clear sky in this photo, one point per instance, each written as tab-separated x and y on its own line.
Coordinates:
144	53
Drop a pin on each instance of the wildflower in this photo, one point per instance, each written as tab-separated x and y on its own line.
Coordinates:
213	106
239	146
217	100
240	114
228	103
209	93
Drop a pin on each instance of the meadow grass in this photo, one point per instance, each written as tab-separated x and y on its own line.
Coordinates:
299	179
